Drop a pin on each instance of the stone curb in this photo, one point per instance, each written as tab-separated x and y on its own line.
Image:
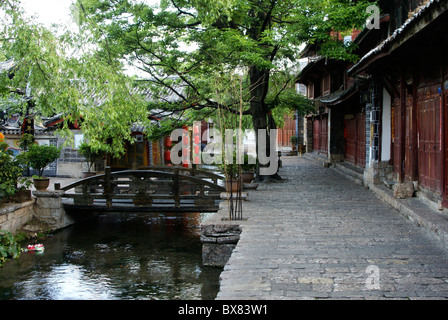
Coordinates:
413	209
425	217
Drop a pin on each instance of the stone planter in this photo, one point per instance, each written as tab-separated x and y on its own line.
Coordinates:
232	186
218	243
41	184
22	196
247	177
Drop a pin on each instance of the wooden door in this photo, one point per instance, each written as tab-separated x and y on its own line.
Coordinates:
360	158
136	156
429	167
410	147
355	140
316	133
445	159
323	136
350	140
396	134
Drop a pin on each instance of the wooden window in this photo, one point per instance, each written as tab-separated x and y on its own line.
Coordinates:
310	90
326	85
135	156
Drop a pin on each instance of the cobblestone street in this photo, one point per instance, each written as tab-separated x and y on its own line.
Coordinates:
320	236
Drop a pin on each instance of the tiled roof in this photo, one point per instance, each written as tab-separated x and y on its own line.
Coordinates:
8	129
403	29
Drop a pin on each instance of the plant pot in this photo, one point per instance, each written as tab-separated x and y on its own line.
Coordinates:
88	174
22	196
247	177
232	186
41	184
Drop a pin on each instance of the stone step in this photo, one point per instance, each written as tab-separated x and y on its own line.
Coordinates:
349	172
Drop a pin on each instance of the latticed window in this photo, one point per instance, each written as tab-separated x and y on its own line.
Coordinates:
311	90
326	85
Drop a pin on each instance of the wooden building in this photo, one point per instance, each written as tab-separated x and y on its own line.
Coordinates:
336	128
410	70
289	129
139	153
387	113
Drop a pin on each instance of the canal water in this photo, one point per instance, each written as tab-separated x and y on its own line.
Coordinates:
116	256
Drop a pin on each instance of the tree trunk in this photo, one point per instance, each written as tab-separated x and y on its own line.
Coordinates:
259	80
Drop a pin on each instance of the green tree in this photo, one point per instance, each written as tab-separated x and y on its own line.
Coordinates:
90	154
61	72
184	46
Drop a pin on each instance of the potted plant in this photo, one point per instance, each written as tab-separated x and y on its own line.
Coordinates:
248	168
293	140
231	172
39	157
91	156
236	171
232	178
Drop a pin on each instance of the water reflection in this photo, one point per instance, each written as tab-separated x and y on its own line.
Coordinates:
116	256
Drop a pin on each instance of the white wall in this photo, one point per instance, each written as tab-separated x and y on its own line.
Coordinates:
386	127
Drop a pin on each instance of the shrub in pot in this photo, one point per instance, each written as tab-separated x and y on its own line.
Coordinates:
39	157
91	156
232	177
248	168
231	171
293	140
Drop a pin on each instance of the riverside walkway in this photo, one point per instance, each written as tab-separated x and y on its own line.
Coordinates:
318	235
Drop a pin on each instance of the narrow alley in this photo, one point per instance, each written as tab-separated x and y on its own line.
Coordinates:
318	235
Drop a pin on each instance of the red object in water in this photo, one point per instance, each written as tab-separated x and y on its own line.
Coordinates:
36	247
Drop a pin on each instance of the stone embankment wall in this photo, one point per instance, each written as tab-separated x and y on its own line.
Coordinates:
50	210
46	207
219	236
218	242
15	215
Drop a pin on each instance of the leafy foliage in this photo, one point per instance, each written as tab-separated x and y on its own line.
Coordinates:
10	172
40	156
249	164
184	46
9	246
90	154
293	139
65	74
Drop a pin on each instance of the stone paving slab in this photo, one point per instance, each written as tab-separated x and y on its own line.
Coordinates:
318	235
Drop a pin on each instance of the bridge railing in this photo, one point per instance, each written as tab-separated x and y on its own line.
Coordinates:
167	187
